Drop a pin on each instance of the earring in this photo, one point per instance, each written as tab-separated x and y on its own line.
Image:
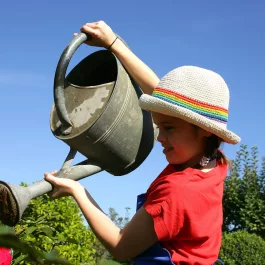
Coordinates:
204	161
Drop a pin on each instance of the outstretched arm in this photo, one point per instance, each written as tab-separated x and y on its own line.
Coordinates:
103	36
124	244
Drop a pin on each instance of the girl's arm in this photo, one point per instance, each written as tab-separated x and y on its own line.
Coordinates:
103	36
123	244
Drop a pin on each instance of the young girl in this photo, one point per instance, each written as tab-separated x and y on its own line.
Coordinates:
179	218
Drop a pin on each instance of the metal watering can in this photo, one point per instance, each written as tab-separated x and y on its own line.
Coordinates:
96	113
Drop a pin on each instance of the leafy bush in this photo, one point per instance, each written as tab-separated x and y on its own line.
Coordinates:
109	262
9	240
56	225
244	196
242	248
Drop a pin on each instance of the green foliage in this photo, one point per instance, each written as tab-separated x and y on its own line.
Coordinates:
109	262
118	220
242	248
56	225
53	231
244	196
9	240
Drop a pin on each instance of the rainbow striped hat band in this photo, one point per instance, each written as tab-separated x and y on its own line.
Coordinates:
194	94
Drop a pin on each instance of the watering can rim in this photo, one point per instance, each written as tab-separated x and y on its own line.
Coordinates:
59	79
119	69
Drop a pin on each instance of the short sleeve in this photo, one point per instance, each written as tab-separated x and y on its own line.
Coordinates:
163	203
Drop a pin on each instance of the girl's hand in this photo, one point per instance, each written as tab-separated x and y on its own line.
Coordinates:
102	35
62	187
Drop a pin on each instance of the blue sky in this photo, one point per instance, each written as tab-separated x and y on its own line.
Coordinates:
225	36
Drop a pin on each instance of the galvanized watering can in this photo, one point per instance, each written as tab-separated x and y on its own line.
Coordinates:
96	113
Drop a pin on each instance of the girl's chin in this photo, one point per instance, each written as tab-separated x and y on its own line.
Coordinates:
172	160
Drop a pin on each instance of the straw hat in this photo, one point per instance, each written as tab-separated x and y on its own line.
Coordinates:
196	95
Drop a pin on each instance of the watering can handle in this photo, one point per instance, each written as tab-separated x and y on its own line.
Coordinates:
59	80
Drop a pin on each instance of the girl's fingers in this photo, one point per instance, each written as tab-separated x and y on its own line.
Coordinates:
92	25
53	194
54	172
49	177
88	30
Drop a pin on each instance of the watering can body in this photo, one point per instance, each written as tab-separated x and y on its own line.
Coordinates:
107	124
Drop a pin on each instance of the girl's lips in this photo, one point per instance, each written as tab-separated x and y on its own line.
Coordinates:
167	149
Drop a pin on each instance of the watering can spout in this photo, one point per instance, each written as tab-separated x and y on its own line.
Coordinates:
14	199
9	206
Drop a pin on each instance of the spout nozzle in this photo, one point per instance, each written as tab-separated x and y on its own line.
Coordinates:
9	211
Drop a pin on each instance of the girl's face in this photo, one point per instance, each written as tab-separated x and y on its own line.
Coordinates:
183	142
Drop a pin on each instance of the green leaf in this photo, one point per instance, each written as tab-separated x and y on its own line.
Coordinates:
30	230
47	230
5	230
109	262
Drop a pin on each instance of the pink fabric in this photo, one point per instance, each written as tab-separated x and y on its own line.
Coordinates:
5	256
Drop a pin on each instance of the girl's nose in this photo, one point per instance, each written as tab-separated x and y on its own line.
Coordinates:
161	136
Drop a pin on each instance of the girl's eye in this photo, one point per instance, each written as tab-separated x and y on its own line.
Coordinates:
167	128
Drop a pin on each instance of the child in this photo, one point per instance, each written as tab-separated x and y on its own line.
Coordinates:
179	219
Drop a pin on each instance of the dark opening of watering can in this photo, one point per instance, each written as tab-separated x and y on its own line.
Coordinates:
87	90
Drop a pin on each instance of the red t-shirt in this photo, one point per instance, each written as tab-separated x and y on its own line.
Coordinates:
187	211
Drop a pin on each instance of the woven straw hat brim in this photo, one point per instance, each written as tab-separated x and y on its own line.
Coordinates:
153	104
